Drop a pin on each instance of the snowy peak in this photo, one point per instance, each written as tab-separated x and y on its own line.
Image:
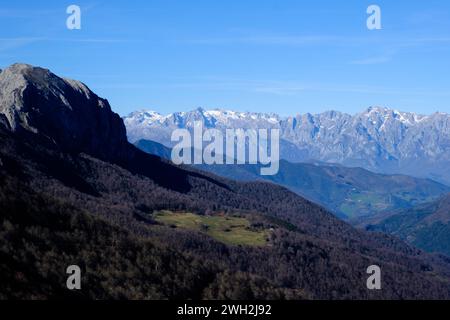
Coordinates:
383	115
139	123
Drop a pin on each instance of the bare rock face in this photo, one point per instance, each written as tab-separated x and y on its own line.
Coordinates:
65	112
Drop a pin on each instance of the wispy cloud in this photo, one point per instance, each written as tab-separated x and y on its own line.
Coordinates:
379	59
39	13
291	40
316	40
92	40
24	13
277	40
394	47
429	18
282	90
215	84
367	89
227	84
373	60
426	40
13	43
289	87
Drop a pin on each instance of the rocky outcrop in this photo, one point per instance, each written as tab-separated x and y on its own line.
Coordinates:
34	101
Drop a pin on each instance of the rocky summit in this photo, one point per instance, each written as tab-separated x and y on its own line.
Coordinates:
64	112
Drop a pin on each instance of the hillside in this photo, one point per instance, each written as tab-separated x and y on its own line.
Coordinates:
426	226
350	193
64	201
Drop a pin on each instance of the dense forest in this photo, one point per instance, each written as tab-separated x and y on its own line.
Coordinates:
426	226
42	236
59	209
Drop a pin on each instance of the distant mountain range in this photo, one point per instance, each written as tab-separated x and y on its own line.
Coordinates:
74	191
378	139
351	193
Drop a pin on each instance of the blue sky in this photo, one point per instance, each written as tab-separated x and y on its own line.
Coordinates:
279	56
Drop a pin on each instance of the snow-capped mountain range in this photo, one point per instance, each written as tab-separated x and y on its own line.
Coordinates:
378	139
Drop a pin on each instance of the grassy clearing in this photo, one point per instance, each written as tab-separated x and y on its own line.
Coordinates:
358	204
369	203
226	229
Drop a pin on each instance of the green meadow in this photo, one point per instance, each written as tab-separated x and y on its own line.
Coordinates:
226	229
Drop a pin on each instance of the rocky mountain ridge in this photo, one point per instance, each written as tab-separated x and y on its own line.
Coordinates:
378	139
